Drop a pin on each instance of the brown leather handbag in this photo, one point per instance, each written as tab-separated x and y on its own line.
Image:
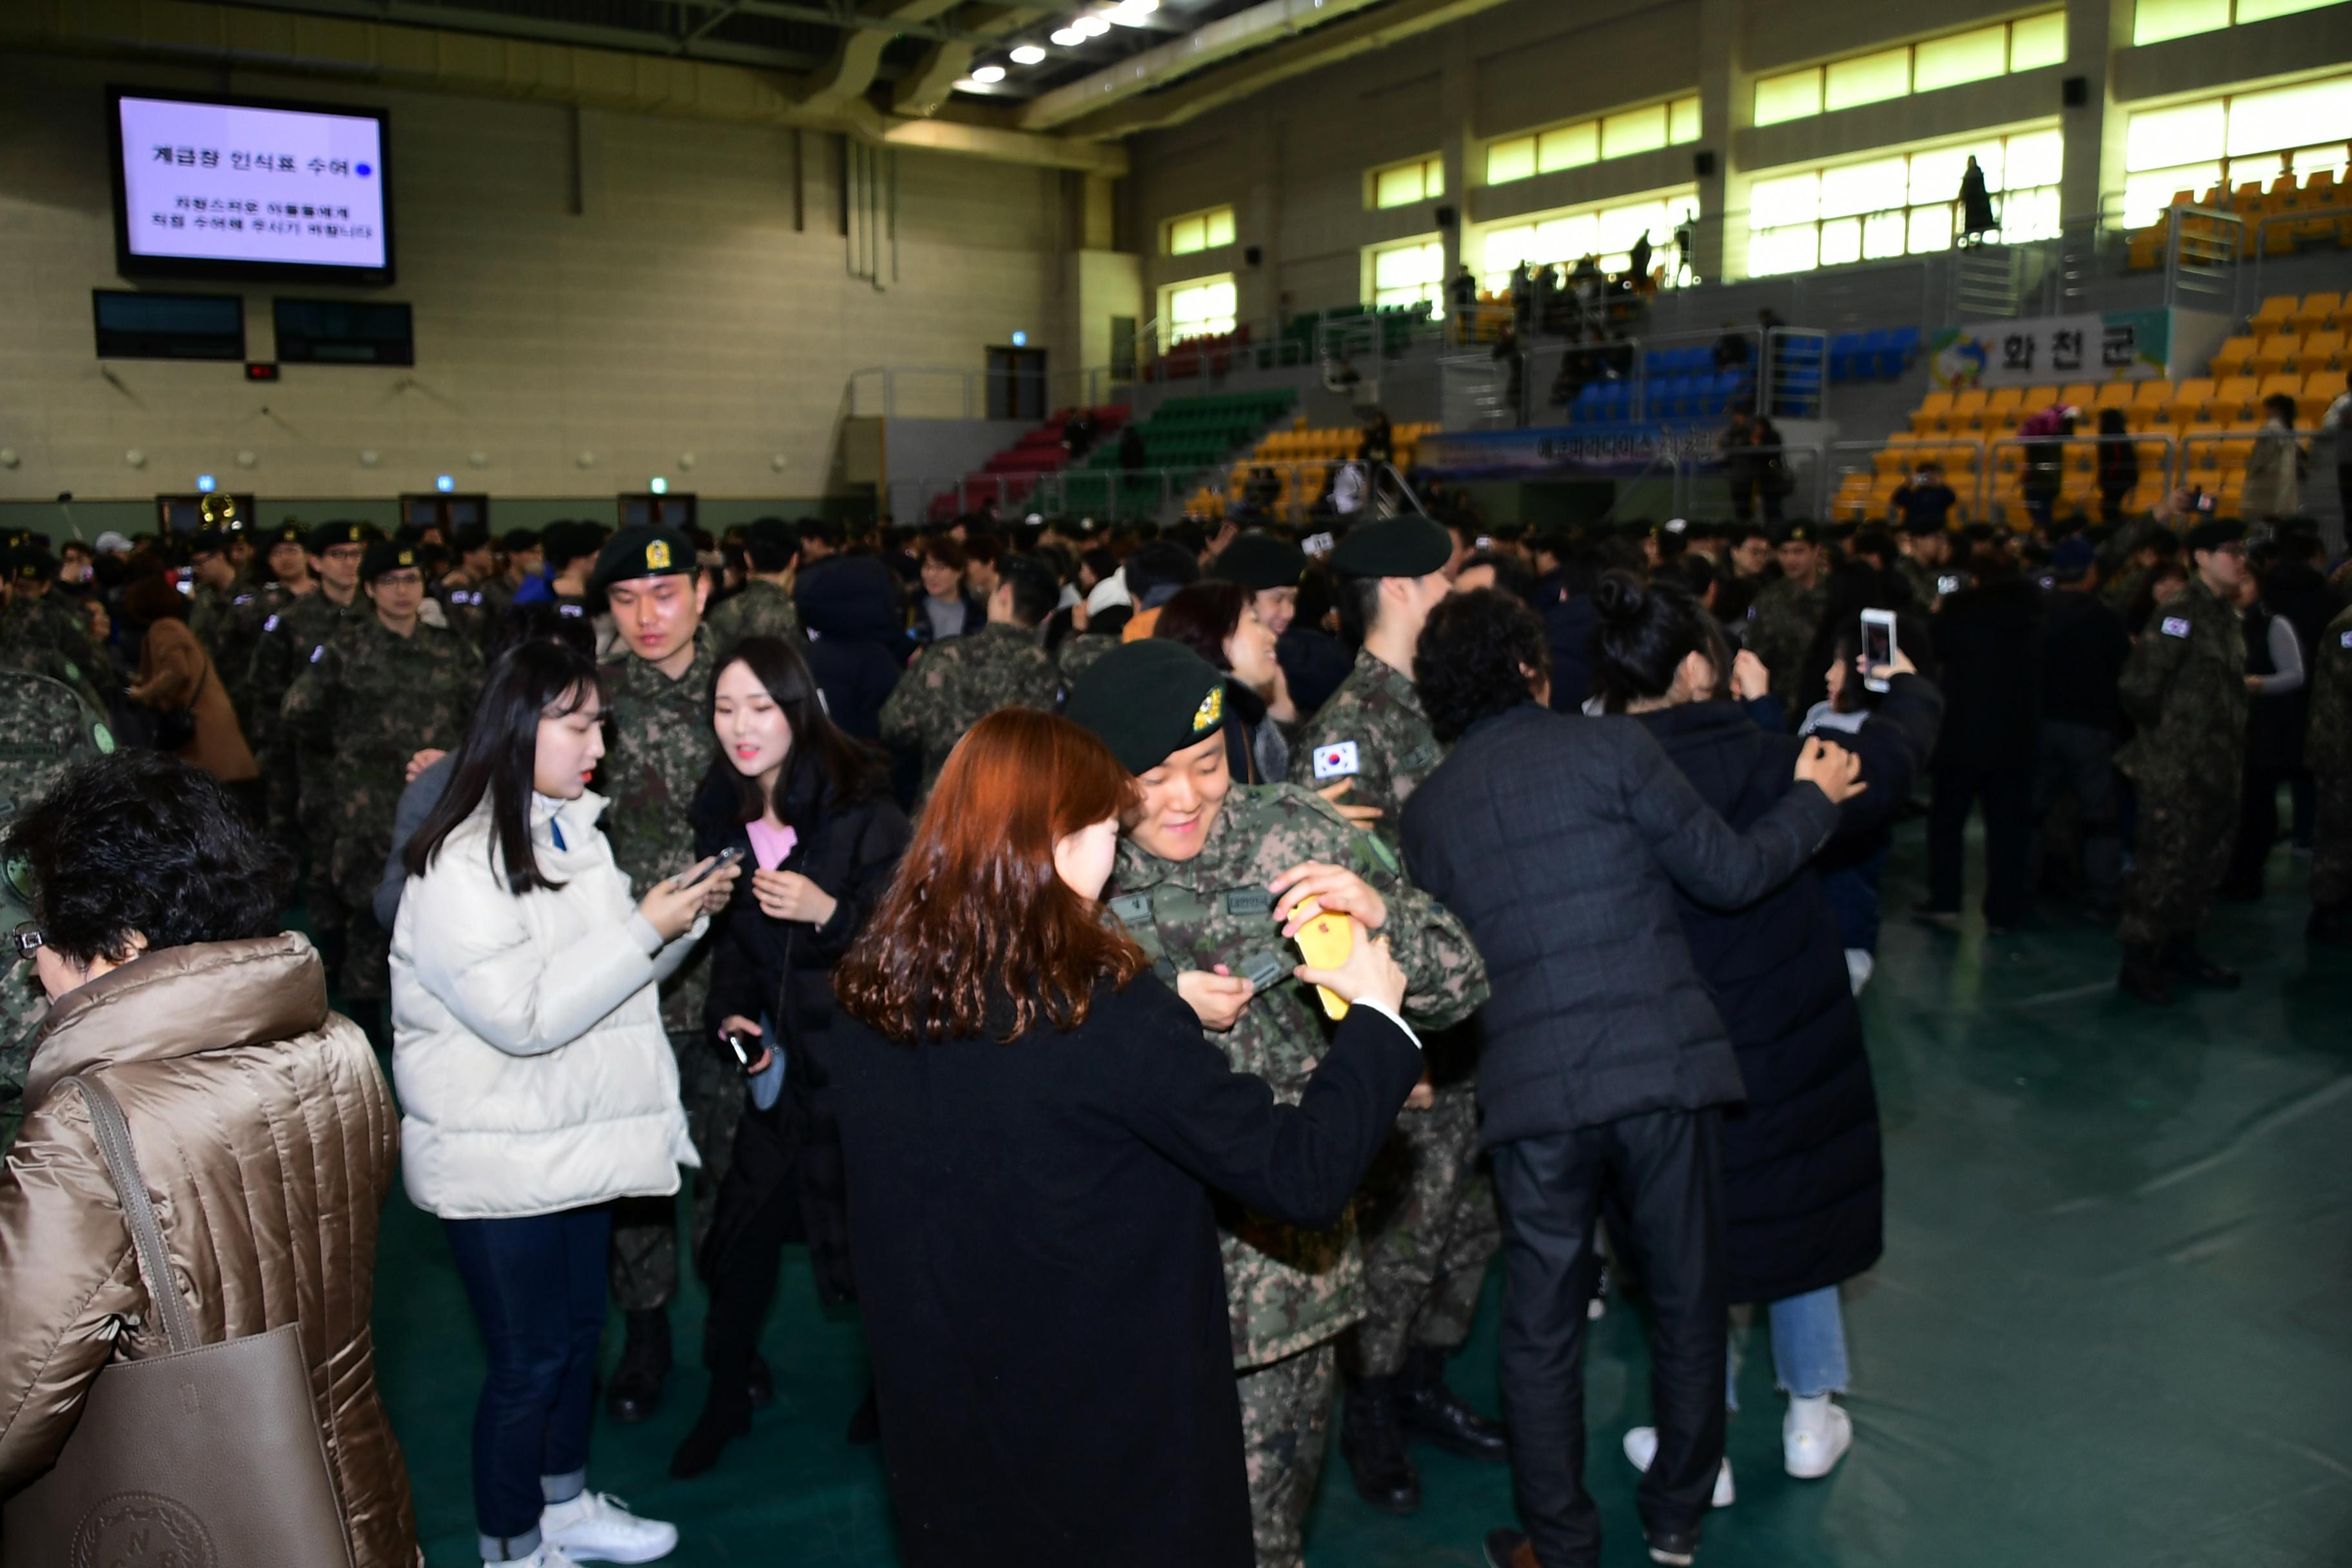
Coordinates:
207	1457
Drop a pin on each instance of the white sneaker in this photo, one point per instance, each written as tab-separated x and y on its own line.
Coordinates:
596	1528
547	1556
1814	1436
1642	1446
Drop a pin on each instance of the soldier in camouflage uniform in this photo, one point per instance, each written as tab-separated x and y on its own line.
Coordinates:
42	635
764	607
1927	556
1208	878
46	731
2328	753
383	688
1427	1210
2185	686
2132	552
658	706
1787	614
223	619
298	772
288	579
955	684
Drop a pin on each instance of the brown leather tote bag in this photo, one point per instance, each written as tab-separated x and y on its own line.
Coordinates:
207	1457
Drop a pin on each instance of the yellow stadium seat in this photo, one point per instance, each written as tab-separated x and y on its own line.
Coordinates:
2236	396
2280	385
2142	417
1968	410
1932	408
2079	394
2190	402
2236	357
2318	392
2273	356
2277	310
2154	391
2108	395
2004	407
2321	351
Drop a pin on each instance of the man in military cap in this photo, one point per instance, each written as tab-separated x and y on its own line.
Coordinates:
2328	753
1313	662
46	731
381	687
955	684
1430	1225
1209	880
469	598
2185	687
1787	614
1926	557
218	615
658	692
33	636
762	607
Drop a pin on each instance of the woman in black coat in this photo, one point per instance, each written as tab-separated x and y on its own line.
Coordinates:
1803	1182
1034	1125
810	811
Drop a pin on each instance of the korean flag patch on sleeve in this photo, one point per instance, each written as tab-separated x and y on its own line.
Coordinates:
1336	760
2175	626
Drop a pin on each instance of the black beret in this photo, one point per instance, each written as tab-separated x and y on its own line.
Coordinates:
1260	561
31	563
327	535
1800	533
1149	699
1410	546
288	532
207	542
2215	532
388	555
644	551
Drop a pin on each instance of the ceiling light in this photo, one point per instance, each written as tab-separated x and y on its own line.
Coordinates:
1131	13
1028	55
1092	26
1068	38
988	73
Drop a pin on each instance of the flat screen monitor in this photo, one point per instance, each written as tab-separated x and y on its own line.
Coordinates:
168	326
230	187
343	332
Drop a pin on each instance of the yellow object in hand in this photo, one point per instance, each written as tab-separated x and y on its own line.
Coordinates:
1324	942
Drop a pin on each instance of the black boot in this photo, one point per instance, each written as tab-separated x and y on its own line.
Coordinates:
2181	958
636	1386
726	1415
2331	924
2143	977
1373	1446
1432	1413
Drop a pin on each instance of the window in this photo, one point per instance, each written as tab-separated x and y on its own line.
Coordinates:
1899	204
1200	231
1668	124
2026	44
1608	232
2153	21
1402	185
1406	275
1202	307
2242	138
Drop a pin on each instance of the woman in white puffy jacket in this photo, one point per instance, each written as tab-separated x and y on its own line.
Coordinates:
536	1084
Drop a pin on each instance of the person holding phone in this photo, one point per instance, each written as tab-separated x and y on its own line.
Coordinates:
536	1083
809	809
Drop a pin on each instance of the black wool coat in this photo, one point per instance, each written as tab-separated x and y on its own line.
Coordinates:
1989	641
1803	1185
783	970
1037	1256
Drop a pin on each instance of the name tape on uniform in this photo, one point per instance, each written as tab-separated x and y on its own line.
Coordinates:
1336	760
2175	626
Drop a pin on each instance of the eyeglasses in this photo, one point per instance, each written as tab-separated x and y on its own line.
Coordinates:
25	937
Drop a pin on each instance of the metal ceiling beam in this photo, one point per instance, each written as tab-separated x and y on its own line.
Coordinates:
1269	22
851	70
505	25
926	90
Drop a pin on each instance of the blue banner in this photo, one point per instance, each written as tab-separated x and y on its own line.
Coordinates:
1563	452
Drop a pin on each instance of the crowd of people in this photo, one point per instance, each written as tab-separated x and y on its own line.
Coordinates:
1154	971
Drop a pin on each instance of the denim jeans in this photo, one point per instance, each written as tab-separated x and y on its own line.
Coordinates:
1808	1346
537	1288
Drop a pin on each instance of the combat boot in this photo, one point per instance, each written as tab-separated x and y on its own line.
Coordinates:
2181	958
1433	1413
2331	924
2143	977
1373	1445
636	1388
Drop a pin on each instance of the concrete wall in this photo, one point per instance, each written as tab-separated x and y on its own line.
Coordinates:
634	294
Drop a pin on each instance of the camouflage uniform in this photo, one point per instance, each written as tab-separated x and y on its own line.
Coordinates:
466	608
33	640
761	610
369	701
660	746
958	683
1289	1293
301	808
2328	753
1781	625
2185	686
45	728
1430	1225
1921	578
230	632
1079	651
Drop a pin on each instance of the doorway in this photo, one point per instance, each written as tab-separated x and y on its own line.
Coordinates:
1016	384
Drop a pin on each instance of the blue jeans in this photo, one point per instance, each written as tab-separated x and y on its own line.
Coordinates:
537	1288
1808	1346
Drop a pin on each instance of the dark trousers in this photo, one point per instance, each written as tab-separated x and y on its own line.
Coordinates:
759	1211
2008	797
1663	1165
2079	760
2258	830
537	1288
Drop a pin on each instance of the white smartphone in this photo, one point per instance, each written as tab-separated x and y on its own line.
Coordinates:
1877	647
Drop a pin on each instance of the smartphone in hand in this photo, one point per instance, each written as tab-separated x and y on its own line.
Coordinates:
1877	648
719	862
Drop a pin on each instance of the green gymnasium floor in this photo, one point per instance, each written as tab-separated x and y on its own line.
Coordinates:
2111	1326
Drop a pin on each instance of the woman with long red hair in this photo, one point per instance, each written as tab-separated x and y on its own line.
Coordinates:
1033	1127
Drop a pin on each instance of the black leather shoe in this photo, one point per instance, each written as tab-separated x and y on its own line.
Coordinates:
637	1388
1676	1548
2181	958
1373	1446
1510	1549
2143	977
1432	1413
722	1422
759	1384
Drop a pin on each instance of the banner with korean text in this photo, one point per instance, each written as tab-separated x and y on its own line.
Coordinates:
2052	351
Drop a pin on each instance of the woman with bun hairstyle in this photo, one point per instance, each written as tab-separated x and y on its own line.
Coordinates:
1803	1182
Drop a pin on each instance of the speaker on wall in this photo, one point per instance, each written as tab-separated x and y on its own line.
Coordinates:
2075	91
1702	165
1253	255
1446	217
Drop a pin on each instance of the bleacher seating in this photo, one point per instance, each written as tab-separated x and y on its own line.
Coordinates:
2318	193
1880	355
1039	451
1302	461
1182	433
2292	346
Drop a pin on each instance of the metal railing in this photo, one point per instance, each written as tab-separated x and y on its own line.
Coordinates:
2331	216
2200	249
937	392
